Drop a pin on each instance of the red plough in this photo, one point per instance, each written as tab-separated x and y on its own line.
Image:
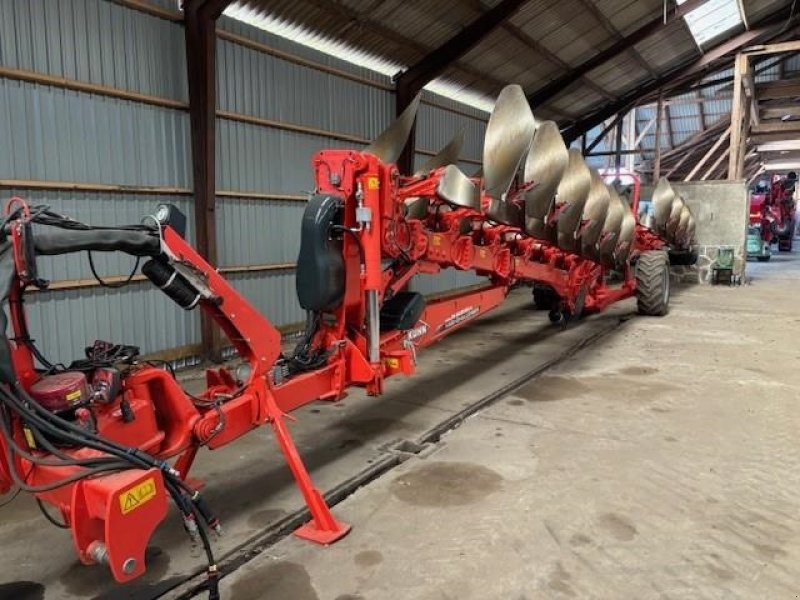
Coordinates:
110	439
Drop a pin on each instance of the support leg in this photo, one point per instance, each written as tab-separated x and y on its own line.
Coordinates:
323	528
184	463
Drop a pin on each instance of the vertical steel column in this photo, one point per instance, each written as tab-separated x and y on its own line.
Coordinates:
618	146
657	142
200	35
739	120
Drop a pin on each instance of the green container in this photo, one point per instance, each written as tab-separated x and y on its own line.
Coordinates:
757	248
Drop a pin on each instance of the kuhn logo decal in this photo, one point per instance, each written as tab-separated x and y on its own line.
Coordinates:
459	317
417	332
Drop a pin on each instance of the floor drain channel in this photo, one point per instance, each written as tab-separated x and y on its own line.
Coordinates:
405	449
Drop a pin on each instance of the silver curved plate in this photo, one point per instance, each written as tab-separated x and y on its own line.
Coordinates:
507	213
625	238
390	143
446	156
674	217
594	215
544	166
663	195
456	188
508	138
571	195
611	228
417	208
683	223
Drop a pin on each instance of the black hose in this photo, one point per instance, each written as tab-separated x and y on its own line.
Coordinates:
112	286
50	517
54	425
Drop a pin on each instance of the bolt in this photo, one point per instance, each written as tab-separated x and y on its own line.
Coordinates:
129	566
98	552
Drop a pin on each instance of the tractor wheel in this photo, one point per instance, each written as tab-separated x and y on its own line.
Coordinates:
544	297
764	258
652	283
683	258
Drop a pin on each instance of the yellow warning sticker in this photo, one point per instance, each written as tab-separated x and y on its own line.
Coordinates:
437	240
373	183
73	396
393	363
139	494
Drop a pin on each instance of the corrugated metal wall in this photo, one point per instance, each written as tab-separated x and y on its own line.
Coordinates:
56	137
52	134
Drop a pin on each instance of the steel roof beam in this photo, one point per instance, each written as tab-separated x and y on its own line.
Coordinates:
539	49
437	60
411	81
589	5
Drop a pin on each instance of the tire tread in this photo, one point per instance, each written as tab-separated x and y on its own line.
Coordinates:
649	283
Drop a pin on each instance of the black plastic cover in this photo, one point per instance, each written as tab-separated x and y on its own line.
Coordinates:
320	266
171	215
402	311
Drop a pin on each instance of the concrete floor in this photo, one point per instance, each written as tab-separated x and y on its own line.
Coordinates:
655	463
660	463
248	483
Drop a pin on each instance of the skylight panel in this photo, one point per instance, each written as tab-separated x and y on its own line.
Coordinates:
712	19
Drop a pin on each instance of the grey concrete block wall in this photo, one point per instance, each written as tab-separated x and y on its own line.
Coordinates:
720	209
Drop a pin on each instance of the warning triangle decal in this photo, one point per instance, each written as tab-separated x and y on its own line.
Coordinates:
130	502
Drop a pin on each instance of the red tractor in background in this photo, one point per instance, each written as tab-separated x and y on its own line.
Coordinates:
772	216
782	197
762	224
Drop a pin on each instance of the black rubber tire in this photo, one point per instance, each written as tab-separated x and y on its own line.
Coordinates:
763	258
683	258
544	297
652	283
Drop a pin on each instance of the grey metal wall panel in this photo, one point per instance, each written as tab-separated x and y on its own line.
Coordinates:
254	232
285	45
95	41
67	320
261	85
273	293
51	134
252	158
64	322
469	168
436	127
447	280
59	135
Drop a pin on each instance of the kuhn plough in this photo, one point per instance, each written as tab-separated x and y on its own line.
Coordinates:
107	440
